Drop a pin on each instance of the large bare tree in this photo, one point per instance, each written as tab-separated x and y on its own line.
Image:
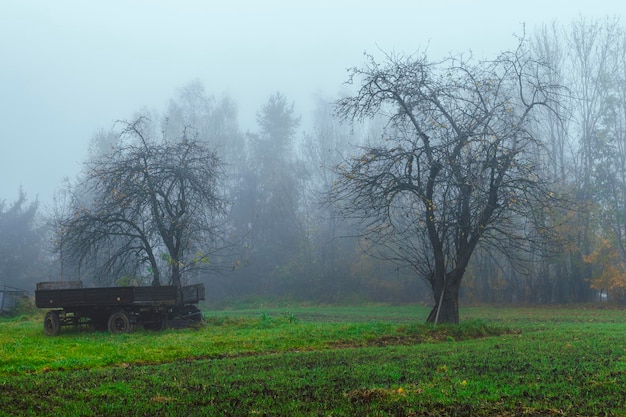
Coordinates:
152	204
456	166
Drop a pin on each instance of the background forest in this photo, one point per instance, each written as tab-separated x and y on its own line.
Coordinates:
285	242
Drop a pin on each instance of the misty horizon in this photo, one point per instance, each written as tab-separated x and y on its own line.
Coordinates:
72	69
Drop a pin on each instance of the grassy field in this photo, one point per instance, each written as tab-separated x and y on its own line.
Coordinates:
325	361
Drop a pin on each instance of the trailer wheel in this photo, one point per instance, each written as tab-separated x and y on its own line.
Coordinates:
119	322
51	323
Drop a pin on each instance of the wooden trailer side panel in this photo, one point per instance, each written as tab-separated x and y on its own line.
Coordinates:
84	297
106	296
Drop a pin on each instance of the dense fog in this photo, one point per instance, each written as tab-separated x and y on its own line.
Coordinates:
258	89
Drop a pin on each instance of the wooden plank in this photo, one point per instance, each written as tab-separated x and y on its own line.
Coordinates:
46	297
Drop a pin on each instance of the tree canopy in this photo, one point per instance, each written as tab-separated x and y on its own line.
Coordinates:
458	163
145	206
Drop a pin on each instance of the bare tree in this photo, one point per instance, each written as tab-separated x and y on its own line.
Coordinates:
153	204
457	165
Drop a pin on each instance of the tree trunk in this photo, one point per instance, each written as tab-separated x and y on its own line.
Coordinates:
176	281
446	309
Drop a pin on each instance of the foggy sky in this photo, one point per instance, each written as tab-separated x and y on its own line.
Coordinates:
69	68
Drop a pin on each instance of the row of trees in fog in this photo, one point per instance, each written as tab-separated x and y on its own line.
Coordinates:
500	180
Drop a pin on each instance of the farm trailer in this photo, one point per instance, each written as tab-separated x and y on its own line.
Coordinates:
118	309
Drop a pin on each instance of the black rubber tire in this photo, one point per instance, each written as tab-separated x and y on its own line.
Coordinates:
52	323
119	322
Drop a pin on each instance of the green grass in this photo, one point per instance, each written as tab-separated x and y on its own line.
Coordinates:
376	360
